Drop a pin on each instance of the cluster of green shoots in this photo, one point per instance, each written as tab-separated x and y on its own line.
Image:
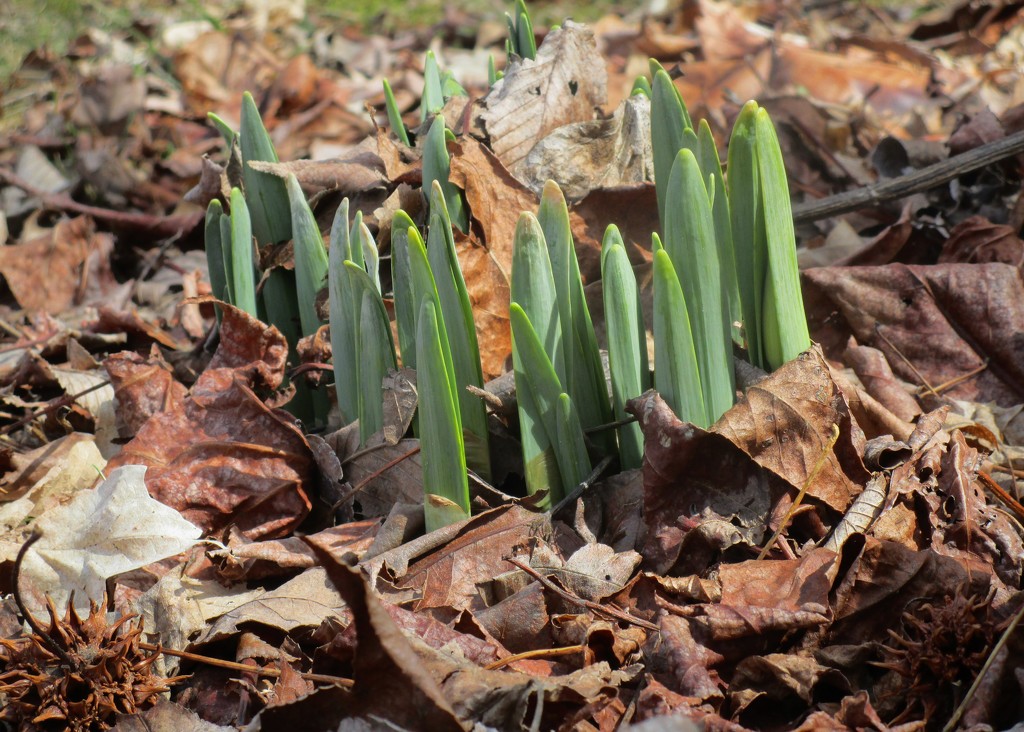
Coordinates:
726	256
724	276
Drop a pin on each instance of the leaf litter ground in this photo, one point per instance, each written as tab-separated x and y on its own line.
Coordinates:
888	600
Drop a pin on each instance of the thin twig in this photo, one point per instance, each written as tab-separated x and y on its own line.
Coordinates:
160	227
612	612
235	666
538	653
1002	495
803	491
62	401
584	485
919	180
40	632
610	425
374	475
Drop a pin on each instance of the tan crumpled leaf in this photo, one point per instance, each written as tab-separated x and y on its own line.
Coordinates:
784	422
68	265
595	571
302	602
358	172
563	85
178	607
602	153
69	464
99	533
92	392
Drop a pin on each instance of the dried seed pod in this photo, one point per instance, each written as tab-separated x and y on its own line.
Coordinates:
80	676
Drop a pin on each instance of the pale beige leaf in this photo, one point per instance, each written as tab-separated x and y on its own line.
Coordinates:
111	529
563	85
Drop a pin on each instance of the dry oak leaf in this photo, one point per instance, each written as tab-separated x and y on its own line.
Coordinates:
784	423
390	679
142	387
564	84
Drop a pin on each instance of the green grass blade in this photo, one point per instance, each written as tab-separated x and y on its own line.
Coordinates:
354	243
538	389
265	193
281	303
243	276
690	243
343	318
525	41
676	375
586	380
394	115
457	314
310	257
376	351
533	287
214	250
229	135
424	287
521	40
574	462
669	119
785	324
226	250
441	448
401	278
433	95
437	167
641	86
747	219
450	87
627	346
711	167
493	75
370	255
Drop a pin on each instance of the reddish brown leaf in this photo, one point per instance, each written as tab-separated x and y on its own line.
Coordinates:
489	296
784	424
495	197
444	571
143	387
874	372
222	456
685	498
978	240
633	209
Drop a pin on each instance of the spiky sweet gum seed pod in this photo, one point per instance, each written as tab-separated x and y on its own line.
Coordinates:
79	677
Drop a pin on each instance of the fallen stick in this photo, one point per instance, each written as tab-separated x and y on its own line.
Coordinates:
159	227
905	185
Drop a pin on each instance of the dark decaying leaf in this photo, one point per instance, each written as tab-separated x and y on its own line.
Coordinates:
941	322
390	681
